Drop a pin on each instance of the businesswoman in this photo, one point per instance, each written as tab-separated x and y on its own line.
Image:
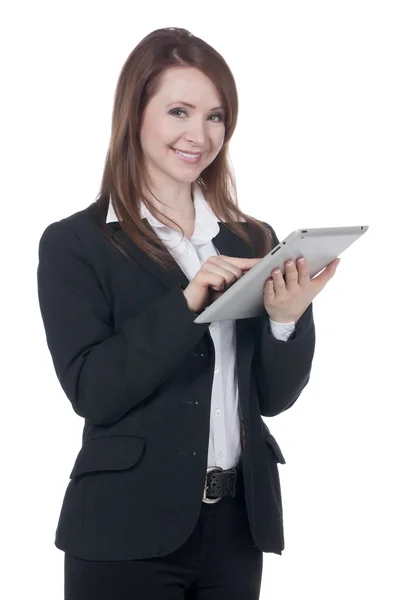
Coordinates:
175	492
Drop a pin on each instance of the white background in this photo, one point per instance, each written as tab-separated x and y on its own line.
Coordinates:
317	144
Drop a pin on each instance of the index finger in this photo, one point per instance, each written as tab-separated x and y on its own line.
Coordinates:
241	263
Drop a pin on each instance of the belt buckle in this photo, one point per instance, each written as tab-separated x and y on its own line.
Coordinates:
211	500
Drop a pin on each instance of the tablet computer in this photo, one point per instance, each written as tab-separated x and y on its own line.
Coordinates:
319	246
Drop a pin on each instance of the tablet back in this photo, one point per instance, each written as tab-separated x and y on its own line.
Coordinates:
319	246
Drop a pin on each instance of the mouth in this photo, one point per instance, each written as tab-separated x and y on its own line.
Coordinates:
188	157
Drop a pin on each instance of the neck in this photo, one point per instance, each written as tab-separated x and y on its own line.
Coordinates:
175	202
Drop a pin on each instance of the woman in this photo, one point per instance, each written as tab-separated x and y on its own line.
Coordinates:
175	492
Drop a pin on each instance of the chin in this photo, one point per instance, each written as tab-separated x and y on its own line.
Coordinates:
187	179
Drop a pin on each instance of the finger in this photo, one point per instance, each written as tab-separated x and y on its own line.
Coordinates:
269	291
303	271
241	263
220	266
224	285
227	272
291	275
279	282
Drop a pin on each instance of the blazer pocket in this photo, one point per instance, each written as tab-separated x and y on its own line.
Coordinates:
108	453
273	444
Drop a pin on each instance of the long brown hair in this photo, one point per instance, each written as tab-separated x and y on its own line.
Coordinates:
124	178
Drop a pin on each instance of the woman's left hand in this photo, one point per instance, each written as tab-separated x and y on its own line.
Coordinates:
287	301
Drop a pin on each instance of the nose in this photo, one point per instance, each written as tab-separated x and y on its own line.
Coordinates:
196	133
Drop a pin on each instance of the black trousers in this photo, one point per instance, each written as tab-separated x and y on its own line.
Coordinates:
219	561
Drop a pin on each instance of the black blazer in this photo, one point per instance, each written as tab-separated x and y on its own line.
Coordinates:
137	368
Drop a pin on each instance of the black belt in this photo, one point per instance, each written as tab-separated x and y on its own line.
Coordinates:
221	484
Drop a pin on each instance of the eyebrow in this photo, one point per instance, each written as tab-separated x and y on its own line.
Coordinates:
192	105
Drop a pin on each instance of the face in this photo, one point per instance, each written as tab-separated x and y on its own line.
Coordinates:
169	125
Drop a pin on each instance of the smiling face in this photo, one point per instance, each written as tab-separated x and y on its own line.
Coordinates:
169	124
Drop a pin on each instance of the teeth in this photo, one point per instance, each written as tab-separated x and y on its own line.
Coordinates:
187	155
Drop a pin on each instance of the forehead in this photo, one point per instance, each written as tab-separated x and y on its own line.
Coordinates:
188	84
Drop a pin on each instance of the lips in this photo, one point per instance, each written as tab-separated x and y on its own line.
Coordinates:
187	152
189	159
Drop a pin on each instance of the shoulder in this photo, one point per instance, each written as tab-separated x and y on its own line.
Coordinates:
72	229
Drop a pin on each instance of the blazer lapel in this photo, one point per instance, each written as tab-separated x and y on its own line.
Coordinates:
225	241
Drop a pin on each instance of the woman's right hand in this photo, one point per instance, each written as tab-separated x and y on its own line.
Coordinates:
215	276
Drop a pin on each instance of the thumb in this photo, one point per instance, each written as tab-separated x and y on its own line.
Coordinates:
334	264
330	269
326	274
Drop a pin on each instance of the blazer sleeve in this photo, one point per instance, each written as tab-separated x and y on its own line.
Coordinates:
282	369
105	373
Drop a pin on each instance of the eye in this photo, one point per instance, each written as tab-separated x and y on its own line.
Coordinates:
174	112
220	117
